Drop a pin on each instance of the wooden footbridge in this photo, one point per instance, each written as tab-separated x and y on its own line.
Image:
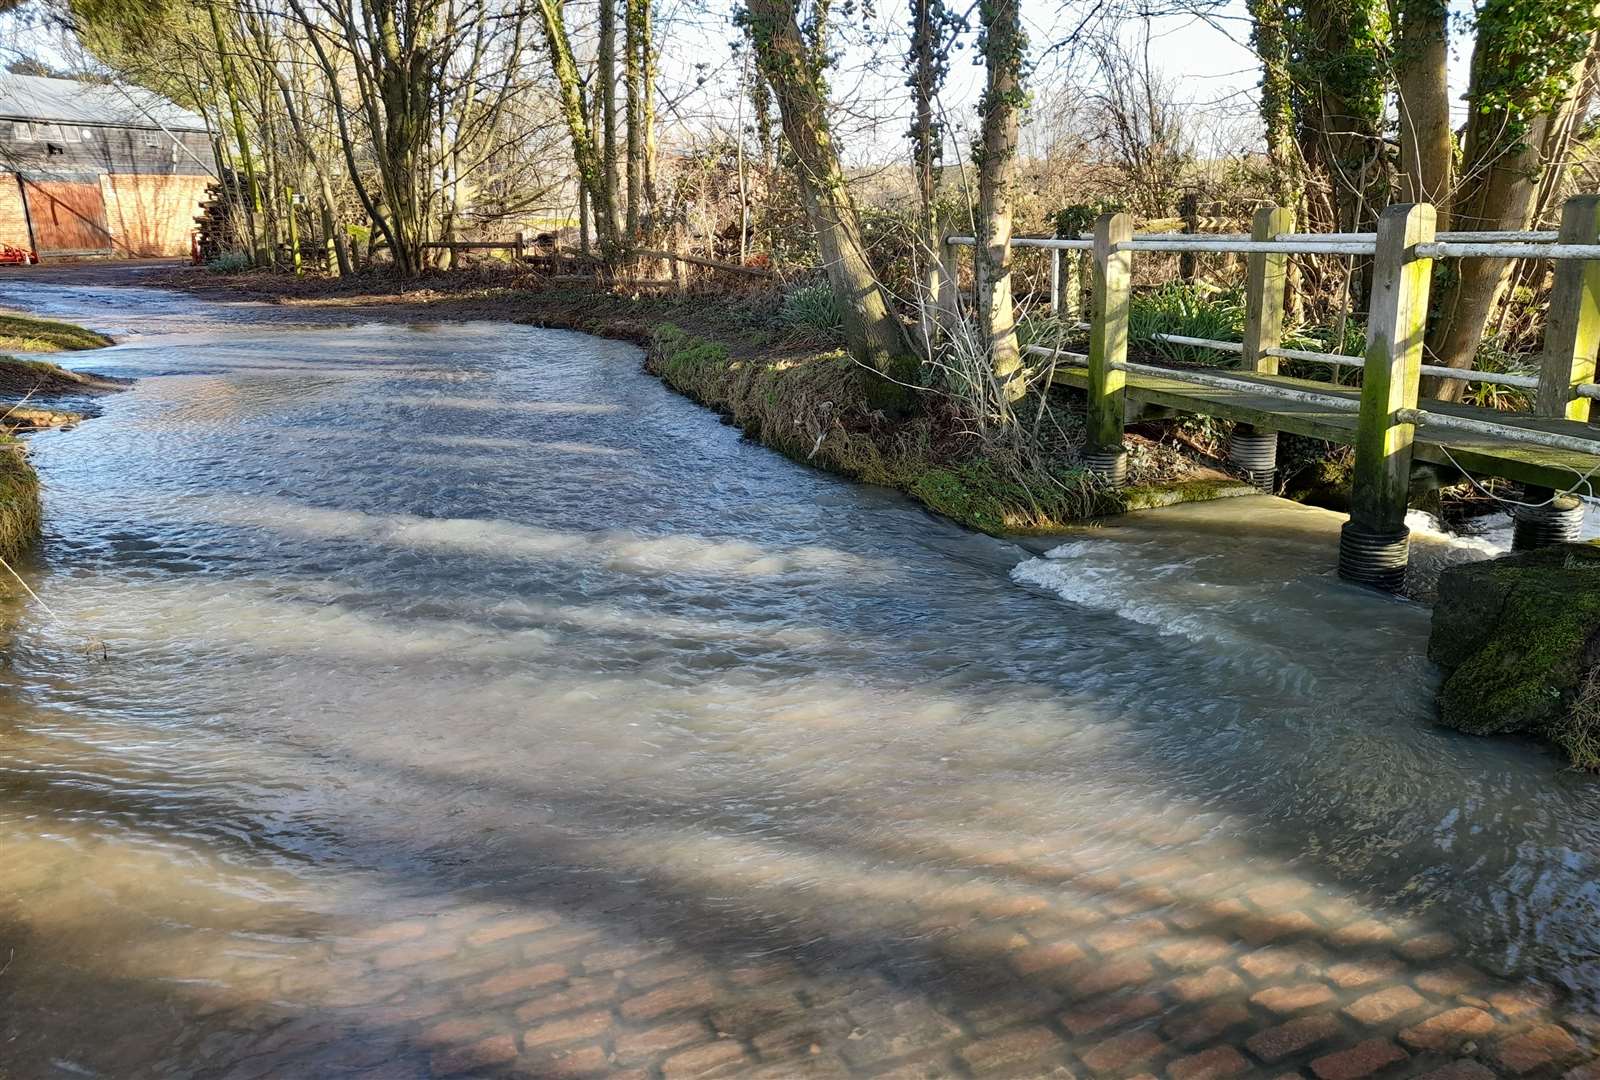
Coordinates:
1552	449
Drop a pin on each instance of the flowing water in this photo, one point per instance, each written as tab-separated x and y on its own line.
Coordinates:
409	700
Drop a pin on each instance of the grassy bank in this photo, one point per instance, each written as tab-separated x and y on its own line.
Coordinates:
804	407
23	333
22	383
19	500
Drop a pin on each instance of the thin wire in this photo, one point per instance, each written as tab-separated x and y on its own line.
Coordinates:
1583	481
53	616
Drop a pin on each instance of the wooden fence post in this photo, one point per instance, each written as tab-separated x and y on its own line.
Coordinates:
1253	449
1189	210
949	286
1374	543
1072	286
1266	283
1108	346
1055	281
294	230
1572	327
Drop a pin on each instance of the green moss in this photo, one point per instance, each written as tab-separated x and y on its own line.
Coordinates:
1152	496
996	496
19	500
1519	636
23	333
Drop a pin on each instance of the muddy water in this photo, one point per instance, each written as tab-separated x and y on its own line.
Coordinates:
416	700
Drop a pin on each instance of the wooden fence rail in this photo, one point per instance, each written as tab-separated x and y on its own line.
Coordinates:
1551	448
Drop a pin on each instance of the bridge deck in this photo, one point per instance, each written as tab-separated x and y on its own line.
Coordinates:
1479	454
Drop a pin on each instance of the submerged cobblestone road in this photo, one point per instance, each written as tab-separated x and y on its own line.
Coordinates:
455	701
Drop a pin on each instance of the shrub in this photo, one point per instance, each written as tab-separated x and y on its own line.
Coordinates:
230	262
1327	339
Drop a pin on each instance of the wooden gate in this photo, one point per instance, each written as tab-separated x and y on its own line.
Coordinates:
68	216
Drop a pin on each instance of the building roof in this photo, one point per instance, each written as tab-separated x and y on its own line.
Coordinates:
33	97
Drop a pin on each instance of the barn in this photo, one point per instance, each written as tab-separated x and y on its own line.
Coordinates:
92	169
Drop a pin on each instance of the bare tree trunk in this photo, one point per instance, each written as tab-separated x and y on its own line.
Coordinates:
739	164
872	331
606	88
339	262
926	75
583	219
1002	101
230	86
346	143
647	108
636	22
1421	57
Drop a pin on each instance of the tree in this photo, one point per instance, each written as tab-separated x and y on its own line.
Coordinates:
1338	53
1421	63
230	85
1140	124
1526	83
793	65
1003	46
605	88
1270	36
586	152
640	111
933	28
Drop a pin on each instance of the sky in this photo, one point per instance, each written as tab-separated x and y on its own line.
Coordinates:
1213	72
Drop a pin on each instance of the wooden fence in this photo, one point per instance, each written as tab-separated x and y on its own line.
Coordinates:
1546	443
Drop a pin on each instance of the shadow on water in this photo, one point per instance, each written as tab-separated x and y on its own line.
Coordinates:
688	751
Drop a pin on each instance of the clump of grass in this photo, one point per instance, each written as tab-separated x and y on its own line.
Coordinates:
1052	331
1189	311
23	333
1578	730
19	500
1493	357
812	309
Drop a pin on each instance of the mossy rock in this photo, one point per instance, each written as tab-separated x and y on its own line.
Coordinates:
1517	635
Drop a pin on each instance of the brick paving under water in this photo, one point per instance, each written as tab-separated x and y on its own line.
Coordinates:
1163	967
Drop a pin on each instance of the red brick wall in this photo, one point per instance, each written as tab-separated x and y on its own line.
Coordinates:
13	223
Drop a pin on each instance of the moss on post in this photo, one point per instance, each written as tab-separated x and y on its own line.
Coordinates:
1108	332
1393	367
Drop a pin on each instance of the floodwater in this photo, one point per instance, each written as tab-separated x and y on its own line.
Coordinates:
419	700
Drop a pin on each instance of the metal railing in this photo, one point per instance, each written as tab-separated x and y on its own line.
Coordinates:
1491	243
